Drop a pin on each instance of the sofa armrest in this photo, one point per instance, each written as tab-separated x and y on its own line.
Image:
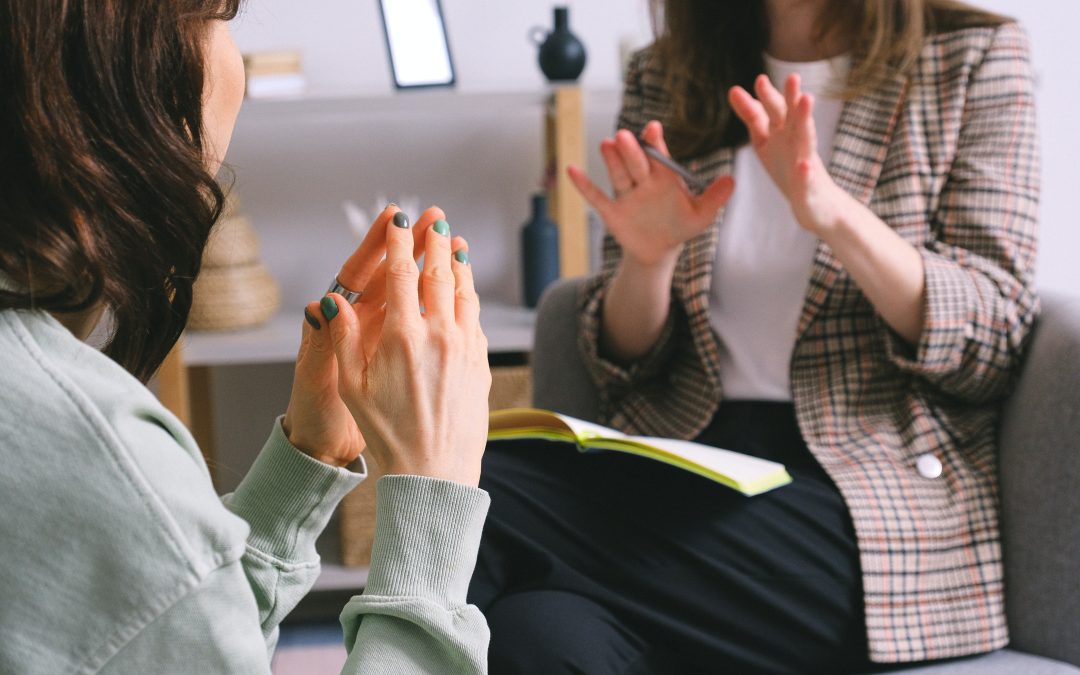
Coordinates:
1040	481
560	380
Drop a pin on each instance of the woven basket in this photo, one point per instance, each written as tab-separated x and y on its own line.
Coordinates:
234	289
230	298
232	242
511	387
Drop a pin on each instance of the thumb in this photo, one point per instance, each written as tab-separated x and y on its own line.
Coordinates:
715	197
344	333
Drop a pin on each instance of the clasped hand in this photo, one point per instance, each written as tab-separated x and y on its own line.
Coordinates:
404	370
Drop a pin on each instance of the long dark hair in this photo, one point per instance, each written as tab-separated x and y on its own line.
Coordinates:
705	47
105	196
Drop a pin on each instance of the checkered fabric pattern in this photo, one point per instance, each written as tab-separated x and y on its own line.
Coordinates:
947	156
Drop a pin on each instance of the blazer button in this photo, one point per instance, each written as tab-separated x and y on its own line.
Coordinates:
928	466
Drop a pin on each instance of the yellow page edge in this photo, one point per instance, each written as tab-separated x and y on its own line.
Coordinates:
546	433
750	489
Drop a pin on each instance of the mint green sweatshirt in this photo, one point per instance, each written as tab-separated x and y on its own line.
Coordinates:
116	555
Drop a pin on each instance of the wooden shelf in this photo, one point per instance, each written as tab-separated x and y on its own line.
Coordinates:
509	329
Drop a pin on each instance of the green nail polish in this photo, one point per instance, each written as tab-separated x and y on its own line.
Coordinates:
328	307
442	227
401	220
462	257
312	320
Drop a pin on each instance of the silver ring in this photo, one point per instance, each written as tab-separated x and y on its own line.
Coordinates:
349	295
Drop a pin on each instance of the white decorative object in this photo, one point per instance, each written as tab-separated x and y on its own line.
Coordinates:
360	220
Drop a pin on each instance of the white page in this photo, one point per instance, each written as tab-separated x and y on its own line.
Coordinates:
739	467
583	429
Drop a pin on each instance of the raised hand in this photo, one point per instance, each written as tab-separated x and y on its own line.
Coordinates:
783	134
415	381
653	213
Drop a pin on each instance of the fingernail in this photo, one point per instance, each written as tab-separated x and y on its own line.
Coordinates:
462	257
312	320
401	220
442	227
328	307
392	205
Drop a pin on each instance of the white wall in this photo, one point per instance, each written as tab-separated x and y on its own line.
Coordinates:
1053	30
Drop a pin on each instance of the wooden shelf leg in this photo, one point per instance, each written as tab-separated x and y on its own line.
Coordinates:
201	405
565	146
186	391
173	384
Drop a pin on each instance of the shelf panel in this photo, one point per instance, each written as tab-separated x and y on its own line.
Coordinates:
335	577
442	96
426	106
508	329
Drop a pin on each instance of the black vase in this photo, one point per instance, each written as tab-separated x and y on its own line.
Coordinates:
539	251
562	55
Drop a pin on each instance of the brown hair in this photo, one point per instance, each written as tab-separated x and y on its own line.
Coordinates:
706	47
106	196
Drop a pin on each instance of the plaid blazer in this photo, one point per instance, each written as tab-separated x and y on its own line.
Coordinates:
947	156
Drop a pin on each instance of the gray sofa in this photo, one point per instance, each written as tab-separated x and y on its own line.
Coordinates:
1040	478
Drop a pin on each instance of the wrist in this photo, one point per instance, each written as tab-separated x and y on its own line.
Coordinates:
662	268
828	214
297	440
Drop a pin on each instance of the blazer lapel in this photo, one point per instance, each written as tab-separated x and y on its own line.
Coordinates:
862	140
693	276
697	267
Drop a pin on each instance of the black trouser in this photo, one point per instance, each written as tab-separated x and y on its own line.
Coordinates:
607	563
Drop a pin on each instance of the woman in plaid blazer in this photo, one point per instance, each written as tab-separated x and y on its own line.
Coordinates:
916	311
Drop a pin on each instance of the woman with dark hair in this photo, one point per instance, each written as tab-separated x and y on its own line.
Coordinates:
117	555
854	304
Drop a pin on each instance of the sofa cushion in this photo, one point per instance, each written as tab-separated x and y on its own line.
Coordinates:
1040	471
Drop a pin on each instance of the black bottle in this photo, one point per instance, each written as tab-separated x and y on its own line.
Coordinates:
562	55
539	251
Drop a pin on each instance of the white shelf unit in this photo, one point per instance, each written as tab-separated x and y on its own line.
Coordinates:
451	101
509	329
477	154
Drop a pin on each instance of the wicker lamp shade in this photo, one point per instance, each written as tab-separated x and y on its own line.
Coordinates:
234	290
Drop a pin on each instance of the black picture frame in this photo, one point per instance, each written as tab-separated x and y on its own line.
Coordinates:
394	68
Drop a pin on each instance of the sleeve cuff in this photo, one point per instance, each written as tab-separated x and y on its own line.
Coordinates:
606	372
427	535
288	497
947	321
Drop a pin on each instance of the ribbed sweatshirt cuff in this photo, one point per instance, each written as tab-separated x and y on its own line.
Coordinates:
288	497
427	535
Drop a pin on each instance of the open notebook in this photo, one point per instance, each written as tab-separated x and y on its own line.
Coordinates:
749	475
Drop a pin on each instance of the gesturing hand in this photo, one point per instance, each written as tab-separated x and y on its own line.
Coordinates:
417	381
653	212
784	136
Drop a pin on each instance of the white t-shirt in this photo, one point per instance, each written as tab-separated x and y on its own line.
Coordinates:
764	257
